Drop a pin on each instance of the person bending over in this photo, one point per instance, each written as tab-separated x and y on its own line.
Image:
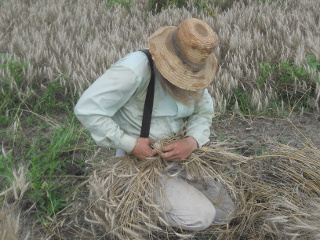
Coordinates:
112	110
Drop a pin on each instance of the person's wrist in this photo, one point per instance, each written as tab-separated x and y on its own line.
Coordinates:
193	142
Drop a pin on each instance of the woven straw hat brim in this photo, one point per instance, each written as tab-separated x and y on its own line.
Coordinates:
173	68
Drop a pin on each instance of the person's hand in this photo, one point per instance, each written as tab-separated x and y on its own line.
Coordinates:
143	149
180	149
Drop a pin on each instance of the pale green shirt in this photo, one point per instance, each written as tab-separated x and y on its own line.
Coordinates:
111	108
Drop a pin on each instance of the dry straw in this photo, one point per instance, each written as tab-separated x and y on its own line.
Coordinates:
277	194
13	224
122	191
121	198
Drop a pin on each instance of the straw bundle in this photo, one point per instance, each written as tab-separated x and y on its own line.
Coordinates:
295	182
122	191
277	195
121	196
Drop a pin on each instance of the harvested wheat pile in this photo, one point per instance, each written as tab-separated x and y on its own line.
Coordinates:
121	197
122	191
277	194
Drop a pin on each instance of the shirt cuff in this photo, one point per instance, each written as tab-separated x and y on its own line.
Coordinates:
201	139
127	143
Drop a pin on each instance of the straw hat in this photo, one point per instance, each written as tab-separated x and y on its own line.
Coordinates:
184	54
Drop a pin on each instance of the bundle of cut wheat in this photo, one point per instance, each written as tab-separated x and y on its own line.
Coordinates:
122	191
277	195
121	197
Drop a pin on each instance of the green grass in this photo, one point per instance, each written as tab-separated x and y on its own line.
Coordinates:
10	87
49	157
17	96
6	168
112	3
40	132
283	78
49	153
207	7
312	62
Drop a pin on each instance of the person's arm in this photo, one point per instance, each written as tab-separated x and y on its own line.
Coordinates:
197	131
198	125
106	96
101	101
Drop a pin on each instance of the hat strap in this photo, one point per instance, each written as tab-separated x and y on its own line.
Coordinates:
179	53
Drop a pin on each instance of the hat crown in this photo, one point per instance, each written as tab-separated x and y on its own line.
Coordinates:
184	54
194	41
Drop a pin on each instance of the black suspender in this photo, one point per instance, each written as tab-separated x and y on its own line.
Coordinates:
148	104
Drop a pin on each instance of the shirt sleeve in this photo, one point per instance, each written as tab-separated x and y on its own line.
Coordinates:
101	101
198	125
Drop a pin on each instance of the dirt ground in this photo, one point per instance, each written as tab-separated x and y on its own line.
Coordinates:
249	134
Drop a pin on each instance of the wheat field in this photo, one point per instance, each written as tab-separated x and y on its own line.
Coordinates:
76	41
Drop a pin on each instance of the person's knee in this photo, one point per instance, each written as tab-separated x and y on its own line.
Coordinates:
184	206
206	218
199	220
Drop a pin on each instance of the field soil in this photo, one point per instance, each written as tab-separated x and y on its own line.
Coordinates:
250	134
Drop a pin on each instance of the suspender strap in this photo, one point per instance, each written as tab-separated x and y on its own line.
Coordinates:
148	104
